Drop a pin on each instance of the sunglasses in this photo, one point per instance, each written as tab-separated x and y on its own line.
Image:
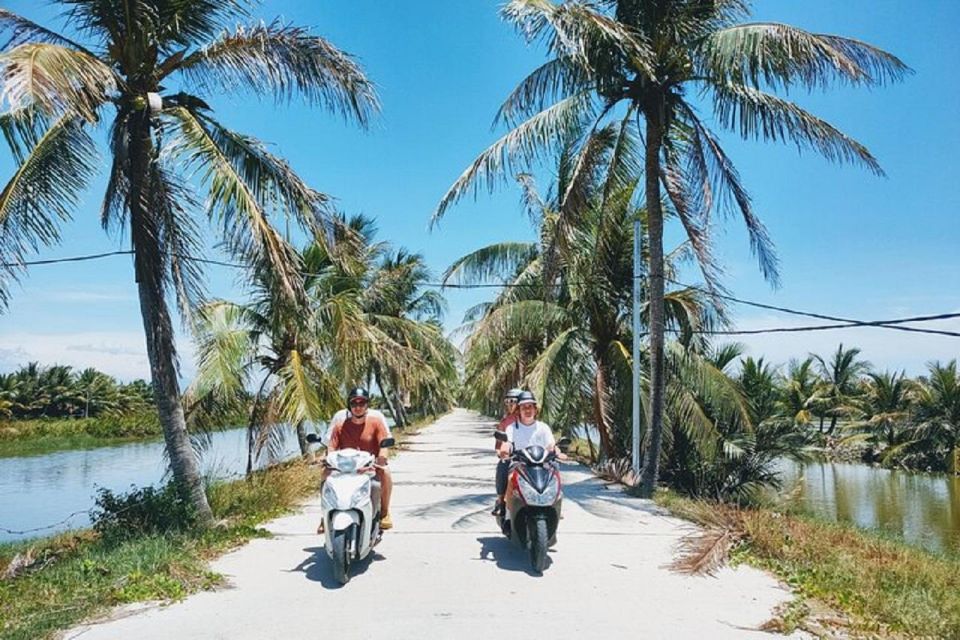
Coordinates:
358	403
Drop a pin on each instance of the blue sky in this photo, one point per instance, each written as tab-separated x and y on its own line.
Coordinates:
850	243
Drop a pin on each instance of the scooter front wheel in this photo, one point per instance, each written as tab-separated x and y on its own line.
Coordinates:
537	538
341	556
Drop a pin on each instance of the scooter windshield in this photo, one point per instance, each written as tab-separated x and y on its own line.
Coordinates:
344	462
539	477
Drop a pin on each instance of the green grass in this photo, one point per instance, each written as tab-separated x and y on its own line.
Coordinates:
83	575
882	586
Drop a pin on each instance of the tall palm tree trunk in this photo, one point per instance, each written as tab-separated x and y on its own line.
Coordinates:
651	463
157	324
302	441
402	420
600	412
378	376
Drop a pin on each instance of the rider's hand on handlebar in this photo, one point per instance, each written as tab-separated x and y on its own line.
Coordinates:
505	450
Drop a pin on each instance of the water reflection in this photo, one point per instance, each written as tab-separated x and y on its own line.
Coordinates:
922	508
39	490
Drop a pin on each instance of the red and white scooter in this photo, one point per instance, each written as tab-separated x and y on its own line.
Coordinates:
533	500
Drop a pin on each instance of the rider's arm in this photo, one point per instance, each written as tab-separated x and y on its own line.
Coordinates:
507	448
383	432
334	442
552	444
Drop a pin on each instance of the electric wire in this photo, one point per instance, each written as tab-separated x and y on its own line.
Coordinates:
838	321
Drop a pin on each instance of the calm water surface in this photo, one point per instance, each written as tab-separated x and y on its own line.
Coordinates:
922	508
39	490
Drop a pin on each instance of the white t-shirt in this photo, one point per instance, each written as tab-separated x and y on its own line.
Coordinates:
523	436
341	416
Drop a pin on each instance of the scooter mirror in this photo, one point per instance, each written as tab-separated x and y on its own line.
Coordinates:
387	442
563	442
500	435
314	438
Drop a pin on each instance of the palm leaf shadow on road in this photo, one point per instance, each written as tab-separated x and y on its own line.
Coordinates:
317	567
458	503
596	497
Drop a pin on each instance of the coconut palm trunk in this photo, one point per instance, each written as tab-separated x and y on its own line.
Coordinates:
651	459
157	324
391	406
600	413
302	441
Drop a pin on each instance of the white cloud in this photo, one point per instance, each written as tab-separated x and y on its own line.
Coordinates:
122	354
884	348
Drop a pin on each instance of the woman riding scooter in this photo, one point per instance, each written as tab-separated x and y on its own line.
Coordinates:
534	496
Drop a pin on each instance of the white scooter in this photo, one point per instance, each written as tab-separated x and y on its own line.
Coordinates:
351	507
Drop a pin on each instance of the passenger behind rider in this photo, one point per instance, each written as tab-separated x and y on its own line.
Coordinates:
364	429
503	466
528	431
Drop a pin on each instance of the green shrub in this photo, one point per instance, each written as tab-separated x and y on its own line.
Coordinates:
141	512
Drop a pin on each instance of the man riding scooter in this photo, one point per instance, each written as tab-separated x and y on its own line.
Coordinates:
365	430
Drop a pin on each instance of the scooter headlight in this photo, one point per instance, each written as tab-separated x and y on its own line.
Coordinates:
361	496
532	497
329	496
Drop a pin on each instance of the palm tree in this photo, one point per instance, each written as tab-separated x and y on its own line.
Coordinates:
267	344
629	59
97	391
397	304
162	147
760	383
798	391
886	406
938	417
839	392
562	326
725	437
376	322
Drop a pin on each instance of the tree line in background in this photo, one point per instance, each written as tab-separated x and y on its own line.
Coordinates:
893	420
59	391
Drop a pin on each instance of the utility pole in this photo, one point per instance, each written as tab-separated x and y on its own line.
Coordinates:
635	451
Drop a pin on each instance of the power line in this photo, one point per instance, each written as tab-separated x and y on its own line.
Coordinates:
888	324
94	256
840	322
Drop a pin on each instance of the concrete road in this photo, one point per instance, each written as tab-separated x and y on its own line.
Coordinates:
444	571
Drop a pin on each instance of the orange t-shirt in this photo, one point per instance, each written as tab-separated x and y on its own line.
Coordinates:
366	436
